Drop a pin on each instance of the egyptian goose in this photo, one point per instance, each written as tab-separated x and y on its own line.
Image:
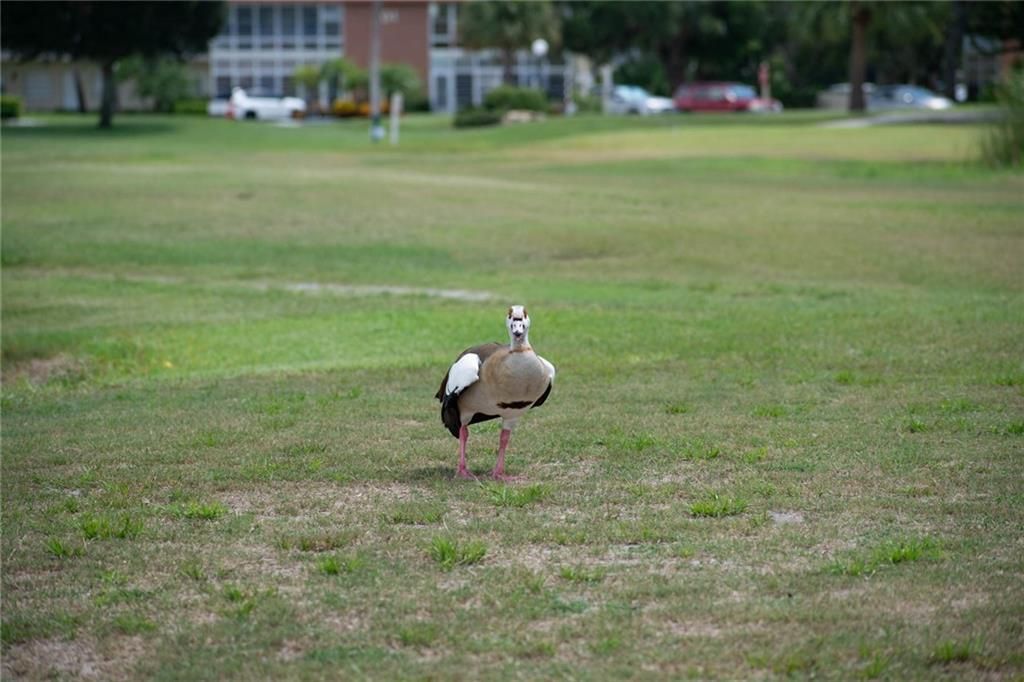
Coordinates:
495	380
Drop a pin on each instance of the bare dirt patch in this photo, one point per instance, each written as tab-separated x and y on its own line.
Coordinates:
78	658
39	371
302	500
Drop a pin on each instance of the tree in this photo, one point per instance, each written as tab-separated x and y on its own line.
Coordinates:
1003	20
308	76
340	73
508	26
165	80
860	20
689	39
106	32
399	78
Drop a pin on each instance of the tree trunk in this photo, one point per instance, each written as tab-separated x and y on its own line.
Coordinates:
673	57
109	95
508	60
80	92
860	17
954	40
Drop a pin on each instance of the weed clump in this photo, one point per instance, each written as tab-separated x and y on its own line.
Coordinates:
449	553
716	506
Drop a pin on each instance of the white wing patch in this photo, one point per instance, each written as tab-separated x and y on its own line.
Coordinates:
549	367
463	373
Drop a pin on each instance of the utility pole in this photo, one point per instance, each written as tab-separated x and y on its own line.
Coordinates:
376	130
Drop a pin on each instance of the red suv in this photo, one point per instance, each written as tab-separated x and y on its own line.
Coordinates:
722	97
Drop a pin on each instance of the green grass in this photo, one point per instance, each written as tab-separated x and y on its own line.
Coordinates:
419	513
509	496
222	459
449	553
887	554
716	505
953	652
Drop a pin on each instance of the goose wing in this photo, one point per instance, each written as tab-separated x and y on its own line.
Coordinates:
551	382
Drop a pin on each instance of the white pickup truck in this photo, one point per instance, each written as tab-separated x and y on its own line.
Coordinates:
242	106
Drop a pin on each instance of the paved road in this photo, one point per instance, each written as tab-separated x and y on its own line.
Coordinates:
901	117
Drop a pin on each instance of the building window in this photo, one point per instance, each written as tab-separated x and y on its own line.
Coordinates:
244	27
223	85
331	17
442	24
266	17
309	26
288	28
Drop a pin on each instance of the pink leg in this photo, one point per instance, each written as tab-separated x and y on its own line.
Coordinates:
462	471
499	466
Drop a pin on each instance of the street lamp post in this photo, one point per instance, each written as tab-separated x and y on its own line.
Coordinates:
539	48
376	129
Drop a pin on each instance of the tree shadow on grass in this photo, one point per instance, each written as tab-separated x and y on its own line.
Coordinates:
88	129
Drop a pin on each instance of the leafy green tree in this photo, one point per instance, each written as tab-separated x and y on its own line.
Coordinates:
690	39
508	26
340	73
1003	20
308	76
164	80
645	70
399	78
107	32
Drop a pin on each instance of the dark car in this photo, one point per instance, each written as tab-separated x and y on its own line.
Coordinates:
722	97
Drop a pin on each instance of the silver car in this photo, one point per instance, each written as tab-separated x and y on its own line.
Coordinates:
906	97
632	99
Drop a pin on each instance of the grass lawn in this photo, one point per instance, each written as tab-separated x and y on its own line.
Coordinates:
786	438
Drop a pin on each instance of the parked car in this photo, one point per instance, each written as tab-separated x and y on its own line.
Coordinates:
722	97
632	99
837	96
243	106
884	97
906	97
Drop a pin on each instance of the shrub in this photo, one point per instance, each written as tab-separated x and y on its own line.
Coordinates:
588	104
346	108
417	101
191	106
471	118
10	107
1003	145
508	97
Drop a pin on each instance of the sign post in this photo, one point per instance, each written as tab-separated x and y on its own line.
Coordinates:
396	115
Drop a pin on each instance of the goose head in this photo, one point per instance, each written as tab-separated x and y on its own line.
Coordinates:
518	324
